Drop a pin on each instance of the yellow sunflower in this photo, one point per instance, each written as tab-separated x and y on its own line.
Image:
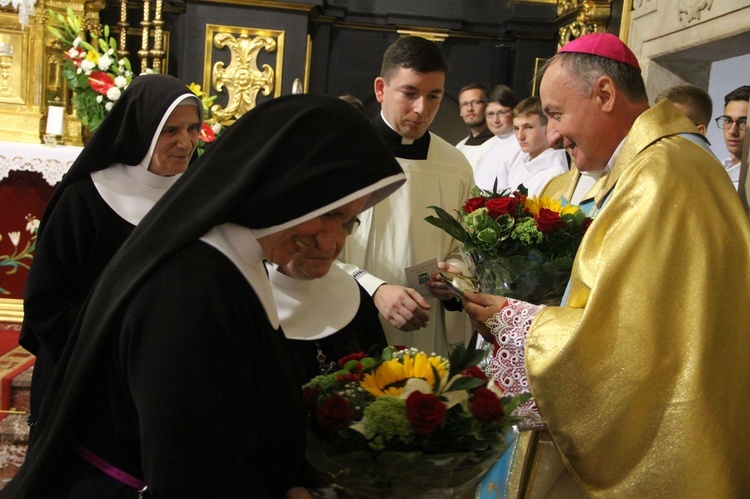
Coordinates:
391	376
533	205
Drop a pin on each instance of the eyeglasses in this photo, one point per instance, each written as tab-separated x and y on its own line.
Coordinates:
499	114
725	122
350	225
472	103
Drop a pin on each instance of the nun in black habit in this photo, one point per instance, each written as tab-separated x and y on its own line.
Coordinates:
176	377
139	151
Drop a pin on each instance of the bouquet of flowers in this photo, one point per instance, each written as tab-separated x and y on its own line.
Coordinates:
93	72
519	247
406	424
211	127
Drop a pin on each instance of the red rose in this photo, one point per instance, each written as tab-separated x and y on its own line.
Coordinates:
486	407
501	206
334	413
473	204
100	82
351	356
475	372
547	221
207	133
425	412
309	395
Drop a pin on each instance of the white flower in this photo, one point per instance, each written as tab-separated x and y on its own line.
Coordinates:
99	98
113	94
105	61
77	41
108	106
87	65
72	53
216	128
33	223
15	237
121	81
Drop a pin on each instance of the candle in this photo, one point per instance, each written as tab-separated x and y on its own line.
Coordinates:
6	49
55	120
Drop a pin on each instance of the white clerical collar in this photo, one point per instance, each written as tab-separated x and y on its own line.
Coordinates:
305	306
239	245
404	140
131	191
615	155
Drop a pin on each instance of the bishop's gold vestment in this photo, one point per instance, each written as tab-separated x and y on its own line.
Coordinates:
642	378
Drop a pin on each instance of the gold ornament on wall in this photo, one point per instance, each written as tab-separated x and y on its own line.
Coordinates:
591	16
244	77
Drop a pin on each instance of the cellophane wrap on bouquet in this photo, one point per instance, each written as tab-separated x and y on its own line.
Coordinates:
517	247
533	278
407	475
406	425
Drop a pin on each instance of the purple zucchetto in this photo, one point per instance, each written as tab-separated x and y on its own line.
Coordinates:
603	45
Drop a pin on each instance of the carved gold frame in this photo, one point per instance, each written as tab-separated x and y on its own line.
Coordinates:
244	44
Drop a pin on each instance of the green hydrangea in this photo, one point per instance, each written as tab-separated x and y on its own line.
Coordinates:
325	381
477	220
386	418
527	233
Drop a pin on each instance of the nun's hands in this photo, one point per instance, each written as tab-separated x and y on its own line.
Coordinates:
403	307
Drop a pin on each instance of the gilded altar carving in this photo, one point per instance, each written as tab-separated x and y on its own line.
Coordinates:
244	76
592	16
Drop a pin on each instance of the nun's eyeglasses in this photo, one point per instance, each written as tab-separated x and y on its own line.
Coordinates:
350	225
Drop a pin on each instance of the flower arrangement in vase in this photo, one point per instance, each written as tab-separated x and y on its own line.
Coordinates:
406	424
92	69
211	128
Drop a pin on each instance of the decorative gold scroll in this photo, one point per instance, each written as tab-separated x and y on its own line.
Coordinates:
592	16
242	78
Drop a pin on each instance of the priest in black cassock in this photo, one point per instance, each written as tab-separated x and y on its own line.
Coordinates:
176	381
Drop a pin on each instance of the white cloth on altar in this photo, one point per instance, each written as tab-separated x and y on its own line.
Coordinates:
51	162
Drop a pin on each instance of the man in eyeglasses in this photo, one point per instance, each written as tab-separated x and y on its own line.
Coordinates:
504	151
472	102
734	124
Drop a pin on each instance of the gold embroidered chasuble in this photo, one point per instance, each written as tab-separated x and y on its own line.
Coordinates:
642	377
563	185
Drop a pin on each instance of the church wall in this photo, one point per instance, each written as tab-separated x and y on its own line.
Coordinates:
676	41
